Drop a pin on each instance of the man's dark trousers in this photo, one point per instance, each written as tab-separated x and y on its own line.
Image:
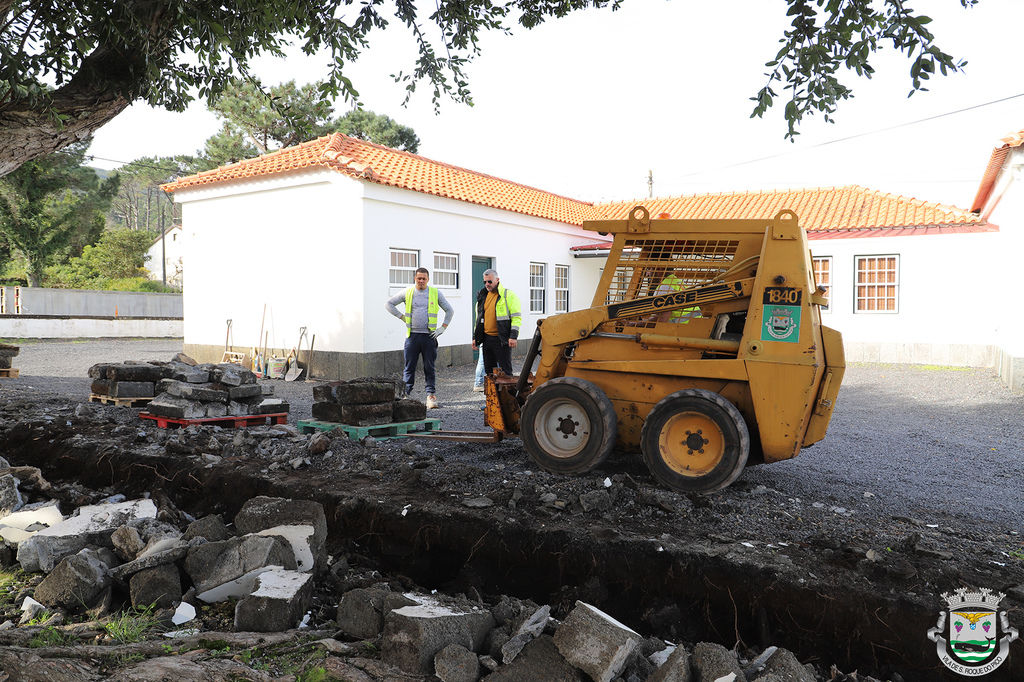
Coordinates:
497	354
415	346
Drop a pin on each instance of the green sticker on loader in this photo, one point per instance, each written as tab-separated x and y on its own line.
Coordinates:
781	323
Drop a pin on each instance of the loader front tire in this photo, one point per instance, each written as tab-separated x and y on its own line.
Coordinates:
695	441
568	426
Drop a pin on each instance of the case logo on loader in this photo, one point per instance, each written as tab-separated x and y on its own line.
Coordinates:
972	637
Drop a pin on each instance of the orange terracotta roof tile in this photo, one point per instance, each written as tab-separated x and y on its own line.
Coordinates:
825	208
385	166
832	208
995	164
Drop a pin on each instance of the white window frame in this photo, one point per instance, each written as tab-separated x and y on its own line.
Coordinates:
828	285
858	285
560	306
540	290
442	273
396	272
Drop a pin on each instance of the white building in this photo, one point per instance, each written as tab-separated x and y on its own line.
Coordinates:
320	235
164	261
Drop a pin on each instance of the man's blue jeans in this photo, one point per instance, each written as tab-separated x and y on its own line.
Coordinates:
415	346
479	379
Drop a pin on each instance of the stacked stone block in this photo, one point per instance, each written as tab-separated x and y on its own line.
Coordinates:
7	351
367	401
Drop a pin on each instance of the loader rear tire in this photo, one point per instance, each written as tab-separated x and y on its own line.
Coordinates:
568	426
695	441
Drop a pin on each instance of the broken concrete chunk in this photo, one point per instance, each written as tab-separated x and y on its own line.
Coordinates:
361	611
407	410
165	552
10	497
127	542
220	570
269	406
216	410
165	405
676	667
711	661
22	524
231	375
278	602
539	660
237	409
131	389
75	583
414	634
244	391
456	663
785	666
92	525
159	586
595	642
210	527
186	359
319	443
367	415
531	628
262	512
300	539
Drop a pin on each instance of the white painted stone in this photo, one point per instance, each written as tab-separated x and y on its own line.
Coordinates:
183	614
300	537
239	587
16	527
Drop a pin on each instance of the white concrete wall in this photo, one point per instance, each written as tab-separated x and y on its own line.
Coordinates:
943	302
404	219
292	244
32	327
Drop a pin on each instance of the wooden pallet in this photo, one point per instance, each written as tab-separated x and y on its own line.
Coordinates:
237	422
378	431
120	402
8	372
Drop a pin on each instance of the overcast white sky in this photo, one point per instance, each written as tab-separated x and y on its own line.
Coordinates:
585	105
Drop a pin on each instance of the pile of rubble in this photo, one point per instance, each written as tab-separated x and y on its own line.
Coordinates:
367	401
183	389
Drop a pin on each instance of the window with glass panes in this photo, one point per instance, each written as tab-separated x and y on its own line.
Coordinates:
877	285
823	276
561	288
537	289
446	270
402	271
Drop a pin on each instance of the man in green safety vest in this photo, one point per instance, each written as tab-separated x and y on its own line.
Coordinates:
670	285
421	329
496	331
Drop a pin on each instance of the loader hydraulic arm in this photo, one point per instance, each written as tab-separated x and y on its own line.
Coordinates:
561	330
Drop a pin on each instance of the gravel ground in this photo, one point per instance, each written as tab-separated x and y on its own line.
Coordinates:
928	442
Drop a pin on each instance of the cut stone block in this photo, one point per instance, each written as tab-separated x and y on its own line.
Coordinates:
278	602
201	392
595	642
244	391
159	586
23	524
367	415
10	497
406	410
356	391
210	527
327	412
456	663
75	583
177	408
237	409
711	661
127	542
231	375
269	406
220	570
92	525
539	660
264	513
216	410
99	370
100	387
188	374
137	372
131	389
167	551
300	539
414	634
361	611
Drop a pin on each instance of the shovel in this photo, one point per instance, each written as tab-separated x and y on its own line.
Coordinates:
295	372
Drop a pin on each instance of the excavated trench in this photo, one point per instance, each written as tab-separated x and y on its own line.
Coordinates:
681	592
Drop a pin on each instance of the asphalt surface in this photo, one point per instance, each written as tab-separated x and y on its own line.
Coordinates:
931	443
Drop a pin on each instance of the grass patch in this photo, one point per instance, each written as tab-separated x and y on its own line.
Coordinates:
132	625
50	636
941	368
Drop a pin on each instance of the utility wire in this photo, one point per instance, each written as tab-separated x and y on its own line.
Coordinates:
854	137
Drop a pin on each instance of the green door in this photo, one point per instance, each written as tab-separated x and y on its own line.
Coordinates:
480	263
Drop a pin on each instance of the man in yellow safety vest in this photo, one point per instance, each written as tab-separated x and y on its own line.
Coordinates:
422	302
498	316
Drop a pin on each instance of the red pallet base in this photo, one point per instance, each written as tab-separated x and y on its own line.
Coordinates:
237	422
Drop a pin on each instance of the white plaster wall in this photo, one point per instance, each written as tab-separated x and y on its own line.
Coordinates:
1008	267
948	289
293	244
404	219
171	248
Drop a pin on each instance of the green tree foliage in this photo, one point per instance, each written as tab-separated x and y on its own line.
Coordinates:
139	203
101	55
256	121
827	36
53	206
116	261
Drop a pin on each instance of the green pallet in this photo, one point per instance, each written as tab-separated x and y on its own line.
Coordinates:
378	431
